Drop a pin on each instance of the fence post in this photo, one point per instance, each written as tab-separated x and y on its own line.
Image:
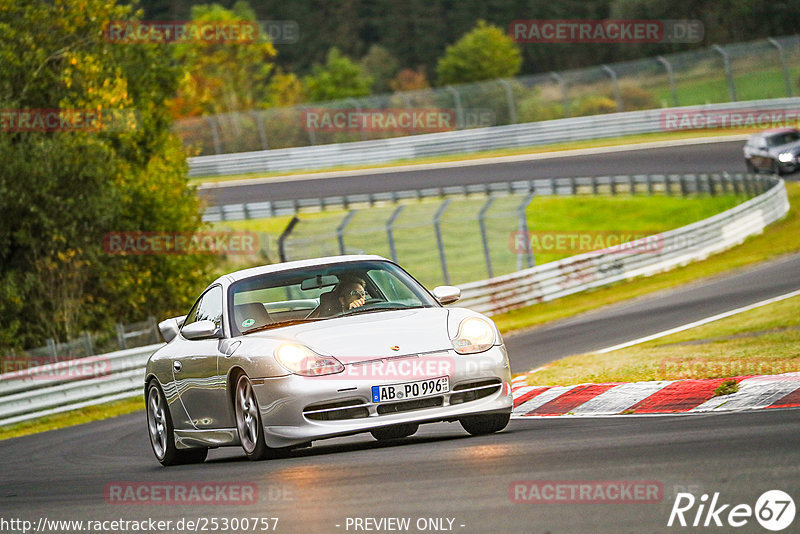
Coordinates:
512	108
262	129
785	68
341	228
390	231
459	110
121	336
312	135
726	63
439	241
215	138
282	238
487	256
615	83
87	343
357	107
523	229
671	77
52	348
562	84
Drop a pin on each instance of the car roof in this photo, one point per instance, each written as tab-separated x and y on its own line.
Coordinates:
286	266
774	131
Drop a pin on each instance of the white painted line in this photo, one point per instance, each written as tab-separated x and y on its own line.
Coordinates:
699	323
620	398
211	184
541	399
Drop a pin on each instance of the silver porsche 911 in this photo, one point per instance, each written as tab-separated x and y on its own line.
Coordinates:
275	357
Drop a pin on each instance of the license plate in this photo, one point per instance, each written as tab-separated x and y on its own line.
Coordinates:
411	390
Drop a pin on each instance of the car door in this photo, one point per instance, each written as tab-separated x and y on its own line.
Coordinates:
200	387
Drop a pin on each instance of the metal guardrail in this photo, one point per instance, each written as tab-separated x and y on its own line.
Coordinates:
48	390
461	141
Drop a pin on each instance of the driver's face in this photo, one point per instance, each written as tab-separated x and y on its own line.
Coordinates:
352	293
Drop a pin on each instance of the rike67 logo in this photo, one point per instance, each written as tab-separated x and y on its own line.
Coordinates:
774	510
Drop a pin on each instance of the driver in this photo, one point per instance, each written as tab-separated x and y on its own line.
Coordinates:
349	293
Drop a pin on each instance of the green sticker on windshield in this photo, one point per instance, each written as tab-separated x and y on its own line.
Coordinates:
248	322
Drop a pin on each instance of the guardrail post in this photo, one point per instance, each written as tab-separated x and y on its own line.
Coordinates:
726	63
285	234
439	241
573	184
87	343
612	183
215	137
615	83
262	129
357	107
737	182
120	328
459	109
390	231
562	84
684	187
784	67
632	184
512	108
650	185
712	187
487	256
595	186
523	229
671	77
341	228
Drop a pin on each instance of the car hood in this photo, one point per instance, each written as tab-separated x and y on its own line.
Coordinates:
793	147
372	335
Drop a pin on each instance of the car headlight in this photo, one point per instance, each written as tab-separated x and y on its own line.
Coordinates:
474	335
786	157
303	361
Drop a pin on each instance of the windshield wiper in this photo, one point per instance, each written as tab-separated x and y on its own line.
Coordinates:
357	311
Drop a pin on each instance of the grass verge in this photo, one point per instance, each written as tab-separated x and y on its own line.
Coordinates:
762	341
74	417
777	240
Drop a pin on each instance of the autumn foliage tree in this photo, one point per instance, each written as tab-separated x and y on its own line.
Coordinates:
63	189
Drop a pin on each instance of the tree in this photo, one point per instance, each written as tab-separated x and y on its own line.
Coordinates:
485	53
284	89
339	77
62	191
225	76
382	66
409	80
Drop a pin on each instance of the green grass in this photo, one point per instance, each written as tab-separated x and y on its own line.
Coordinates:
415	238
74	417
777	240
764	340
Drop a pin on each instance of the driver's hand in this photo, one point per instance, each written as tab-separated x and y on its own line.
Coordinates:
357	303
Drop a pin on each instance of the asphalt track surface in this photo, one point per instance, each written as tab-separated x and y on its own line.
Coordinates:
441	472
725	156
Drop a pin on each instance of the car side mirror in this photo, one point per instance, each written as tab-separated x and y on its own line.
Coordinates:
200	330
169	328
446	294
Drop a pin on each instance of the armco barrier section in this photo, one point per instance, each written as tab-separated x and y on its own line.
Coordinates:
51	389
463	141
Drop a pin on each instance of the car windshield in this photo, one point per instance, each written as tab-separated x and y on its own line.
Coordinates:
322	292
783	138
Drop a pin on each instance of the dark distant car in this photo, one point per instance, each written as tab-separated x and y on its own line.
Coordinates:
776	150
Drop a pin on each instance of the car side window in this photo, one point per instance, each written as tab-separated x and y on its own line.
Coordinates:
208	307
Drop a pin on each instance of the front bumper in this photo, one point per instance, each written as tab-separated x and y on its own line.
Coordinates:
297	409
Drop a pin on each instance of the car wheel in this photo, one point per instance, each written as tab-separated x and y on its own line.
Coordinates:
485	424
248	421
750	167
394	432
161	431
775	168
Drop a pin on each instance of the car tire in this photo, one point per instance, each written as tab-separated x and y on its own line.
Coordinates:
162	434
394	432
750	167
248	421
775	168
478	425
